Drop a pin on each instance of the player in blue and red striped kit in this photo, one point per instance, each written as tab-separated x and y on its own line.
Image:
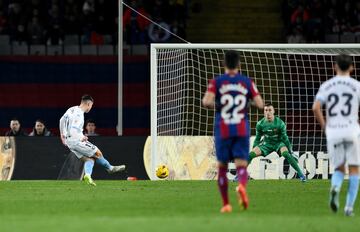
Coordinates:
229	94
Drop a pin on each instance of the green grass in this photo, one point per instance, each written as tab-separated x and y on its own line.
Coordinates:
168	206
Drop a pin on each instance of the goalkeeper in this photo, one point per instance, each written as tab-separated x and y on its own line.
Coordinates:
273	131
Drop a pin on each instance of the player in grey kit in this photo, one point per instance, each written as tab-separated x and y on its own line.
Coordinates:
71	132
341	97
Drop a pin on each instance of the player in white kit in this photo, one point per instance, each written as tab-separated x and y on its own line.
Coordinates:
71	132
341	97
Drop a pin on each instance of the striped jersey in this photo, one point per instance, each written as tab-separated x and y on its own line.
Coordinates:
232	95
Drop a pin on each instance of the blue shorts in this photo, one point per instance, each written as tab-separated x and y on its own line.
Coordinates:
231	148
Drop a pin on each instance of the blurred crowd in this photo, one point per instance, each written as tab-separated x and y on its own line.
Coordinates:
48	21
309	20
171	15
40	128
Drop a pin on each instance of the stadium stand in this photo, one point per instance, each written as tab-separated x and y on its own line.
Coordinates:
246	21
330	21
86	22
51	52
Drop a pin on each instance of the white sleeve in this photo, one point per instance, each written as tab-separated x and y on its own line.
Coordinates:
321	95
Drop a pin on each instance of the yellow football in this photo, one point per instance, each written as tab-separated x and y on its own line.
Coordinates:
162	172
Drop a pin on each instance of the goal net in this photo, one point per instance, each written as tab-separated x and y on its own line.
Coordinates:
286	75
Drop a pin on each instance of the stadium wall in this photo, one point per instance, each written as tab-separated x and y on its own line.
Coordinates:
41	158
44	87
38	158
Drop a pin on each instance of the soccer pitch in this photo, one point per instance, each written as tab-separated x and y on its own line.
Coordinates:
281	205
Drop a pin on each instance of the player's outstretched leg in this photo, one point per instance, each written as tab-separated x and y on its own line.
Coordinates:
352	191
293	164
223	188
105	164
88	167
336	182
118	168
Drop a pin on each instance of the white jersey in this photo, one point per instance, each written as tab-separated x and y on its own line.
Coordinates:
341	96
71	124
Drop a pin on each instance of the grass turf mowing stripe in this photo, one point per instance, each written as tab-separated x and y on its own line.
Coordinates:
280	205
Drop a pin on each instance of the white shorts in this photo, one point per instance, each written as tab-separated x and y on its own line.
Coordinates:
82	149
344	151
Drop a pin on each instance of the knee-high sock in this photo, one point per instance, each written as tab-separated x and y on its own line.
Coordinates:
88	166
104	163
252	155
337	180
292	162
223	185
242	175
352	190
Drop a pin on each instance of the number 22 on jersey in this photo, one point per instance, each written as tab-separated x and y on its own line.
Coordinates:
232	107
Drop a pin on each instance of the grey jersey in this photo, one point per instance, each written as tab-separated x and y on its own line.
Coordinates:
71	124
341	97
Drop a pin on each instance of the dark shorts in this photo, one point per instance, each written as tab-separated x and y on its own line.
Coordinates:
231	148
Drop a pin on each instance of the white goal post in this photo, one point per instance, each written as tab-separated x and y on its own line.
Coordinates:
287	75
